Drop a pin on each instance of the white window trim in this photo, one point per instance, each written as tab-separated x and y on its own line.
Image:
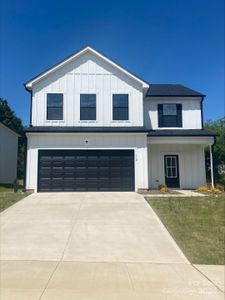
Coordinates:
176	166
179	166
111	107
46	108
96	108
157	117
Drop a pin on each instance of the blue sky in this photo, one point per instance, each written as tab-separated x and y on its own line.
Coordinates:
162	41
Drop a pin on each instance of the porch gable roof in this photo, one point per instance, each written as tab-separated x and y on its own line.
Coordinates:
180	133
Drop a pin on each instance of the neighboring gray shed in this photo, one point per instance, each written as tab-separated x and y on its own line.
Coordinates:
8	154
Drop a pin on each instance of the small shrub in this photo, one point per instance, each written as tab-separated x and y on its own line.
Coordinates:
163	188
220	187
203	189
215	191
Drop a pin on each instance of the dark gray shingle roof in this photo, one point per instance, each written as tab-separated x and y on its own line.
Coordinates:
84	129
171	90
180	132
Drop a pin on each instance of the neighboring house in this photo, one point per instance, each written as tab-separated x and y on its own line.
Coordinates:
97	127
8	154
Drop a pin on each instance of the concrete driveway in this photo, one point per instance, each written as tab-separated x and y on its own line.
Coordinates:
93	246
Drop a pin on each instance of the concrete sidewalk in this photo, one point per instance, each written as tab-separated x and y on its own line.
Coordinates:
93	246
215	274
33	280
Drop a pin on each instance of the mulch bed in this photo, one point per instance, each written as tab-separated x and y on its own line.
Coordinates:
157	192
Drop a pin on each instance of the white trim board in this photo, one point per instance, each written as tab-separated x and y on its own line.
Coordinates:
29	84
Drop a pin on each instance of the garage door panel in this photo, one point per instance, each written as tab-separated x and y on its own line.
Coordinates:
68	175
81	164
86	170
126	172
45	173
46	158
69	164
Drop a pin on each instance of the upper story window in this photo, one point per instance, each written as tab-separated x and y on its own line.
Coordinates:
54	106
170	115
120	107
88	107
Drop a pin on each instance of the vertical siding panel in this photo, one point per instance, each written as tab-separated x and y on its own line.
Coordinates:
116	141
191	162
93	75
69	97
191	111
91	83
91	66
42	112
84	83
77	91
106	98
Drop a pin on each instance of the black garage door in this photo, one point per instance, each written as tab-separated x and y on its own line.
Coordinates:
86	170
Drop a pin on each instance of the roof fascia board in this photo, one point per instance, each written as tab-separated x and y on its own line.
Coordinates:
29	133
206	140
28	85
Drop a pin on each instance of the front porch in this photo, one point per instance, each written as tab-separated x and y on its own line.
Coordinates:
178	162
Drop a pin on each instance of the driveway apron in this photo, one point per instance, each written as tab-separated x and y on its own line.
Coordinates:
93	246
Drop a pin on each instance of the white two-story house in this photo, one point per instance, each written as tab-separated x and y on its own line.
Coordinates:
97	127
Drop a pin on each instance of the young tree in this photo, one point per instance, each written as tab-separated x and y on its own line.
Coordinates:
9	118
218	127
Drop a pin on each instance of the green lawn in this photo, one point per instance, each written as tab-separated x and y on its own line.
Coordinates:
8	197
197	224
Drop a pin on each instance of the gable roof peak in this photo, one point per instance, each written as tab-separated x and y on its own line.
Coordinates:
28	85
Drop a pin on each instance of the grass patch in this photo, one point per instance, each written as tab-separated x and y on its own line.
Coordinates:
197	224
8	197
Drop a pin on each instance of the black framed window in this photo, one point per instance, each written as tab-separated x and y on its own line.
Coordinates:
55	106
88	107
120	107
170	115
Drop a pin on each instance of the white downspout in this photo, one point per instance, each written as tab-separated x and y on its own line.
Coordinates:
211	166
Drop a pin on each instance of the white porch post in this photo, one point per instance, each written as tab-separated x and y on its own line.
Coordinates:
211	166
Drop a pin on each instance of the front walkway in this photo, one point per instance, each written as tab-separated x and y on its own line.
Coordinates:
93	246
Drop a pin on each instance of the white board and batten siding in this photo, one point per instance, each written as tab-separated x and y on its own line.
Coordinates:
87	74
191	111
191	164
90	73
136	142
8	154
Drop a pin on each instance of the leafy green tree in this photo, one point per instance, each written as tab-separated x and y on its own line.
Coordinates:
218	127
9	118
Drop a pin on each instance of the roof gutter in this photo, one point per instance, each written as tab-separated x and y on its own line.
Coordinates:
31	102
201	107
